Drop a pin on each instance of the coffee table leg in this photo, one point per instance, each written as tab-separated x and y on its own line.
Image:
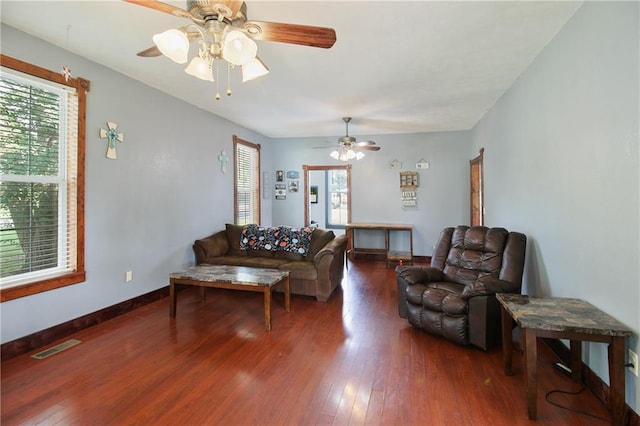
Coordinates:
203	293
531	371
287	295
172	299
267	308
507	342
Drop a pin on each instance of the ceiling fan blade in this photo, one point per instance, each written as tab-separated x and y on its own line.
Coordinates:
151	52
366	143
161	7
291	33
233	5
369	148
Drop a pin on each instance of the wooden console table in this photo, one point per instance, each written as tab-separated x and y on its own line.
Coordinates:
563	318
390	255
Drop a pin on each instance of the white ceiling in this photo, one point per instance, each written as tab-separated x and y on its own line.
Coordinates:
397	67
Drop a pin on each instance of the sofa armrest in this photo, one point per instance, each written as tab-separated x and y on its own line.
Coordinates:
329	265
419	274
212	246
488	286
333	247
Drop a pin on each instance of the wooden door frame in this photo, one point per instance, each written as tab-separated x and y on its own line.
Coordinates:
479	163
306	169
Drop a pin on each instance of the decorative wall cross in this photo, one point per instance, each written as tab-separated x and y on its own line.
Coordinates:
223	159
112	135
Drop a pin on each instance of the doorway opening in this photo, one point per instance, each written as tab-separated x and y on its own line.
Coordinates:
330	204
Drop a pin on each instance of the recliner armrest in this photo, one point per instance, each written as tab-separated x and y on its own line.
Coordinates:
419	274
487	287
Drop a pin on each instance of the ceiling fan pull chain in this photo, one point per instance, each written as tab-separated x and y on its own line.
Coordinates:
229	78
217	80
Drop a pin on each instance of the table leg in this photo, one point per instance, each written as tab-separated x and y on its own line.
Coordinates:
616	380
267	308
507	342
287	295
531	371
575	360
203	293
172	299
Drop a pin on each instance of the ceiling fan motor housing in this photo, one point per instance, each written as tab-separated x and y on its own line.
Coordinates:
347	140
210	9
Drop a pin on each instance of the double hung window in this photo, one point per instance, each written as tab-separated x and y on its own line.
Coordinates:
246	182
42	179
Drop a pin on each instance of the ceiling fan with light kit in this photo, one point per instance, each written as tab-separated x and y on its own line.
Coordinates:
224	34
348	148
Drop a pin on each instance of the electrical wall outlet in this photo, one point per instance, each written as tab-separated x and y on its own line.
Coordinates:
128	276
633	359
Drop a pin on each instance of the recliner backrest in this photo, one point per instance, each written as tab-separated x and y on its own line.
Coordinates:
466	254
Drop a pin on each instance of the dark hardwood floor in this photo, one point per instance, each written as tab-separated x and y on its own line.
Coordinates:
349	361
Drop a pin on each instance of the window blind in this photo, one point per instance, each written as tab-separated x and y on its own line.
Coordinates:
38	188
247	182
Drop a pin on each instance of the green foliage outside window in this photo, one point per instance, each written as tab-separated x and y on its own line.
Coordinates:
29	165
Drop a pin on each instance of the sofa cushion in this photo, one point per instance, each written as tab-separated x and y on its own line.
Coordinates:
233	235
300	270
319	239
288	256
249	261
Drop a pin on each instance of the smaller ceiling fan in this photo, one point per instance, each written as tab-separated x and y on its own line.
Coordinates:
348	148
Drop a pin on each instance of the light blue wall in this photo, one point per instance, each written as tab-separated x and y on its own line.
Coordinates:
443	192
143	210
562	165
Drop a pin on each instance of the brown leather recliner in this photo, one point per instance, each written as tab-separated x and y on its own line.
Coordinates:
455	297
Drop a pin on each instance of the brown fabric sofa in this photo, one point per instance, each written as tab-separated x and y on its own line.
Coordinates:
316	274
455	297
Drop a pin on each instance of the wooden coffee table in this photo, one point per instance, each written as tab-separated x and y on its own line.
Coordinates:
233	278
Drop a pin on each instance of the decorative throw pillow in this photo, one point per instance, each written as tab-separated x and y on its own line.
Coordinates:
295	240
254	237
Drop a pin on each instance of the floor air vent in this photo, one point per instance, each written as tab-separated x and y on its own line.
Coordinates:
55	349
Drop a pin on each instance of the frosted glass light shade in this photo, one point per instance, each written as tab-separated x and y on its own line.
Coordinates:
200	68
238	49
253	69
335	155
173	44
359	155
